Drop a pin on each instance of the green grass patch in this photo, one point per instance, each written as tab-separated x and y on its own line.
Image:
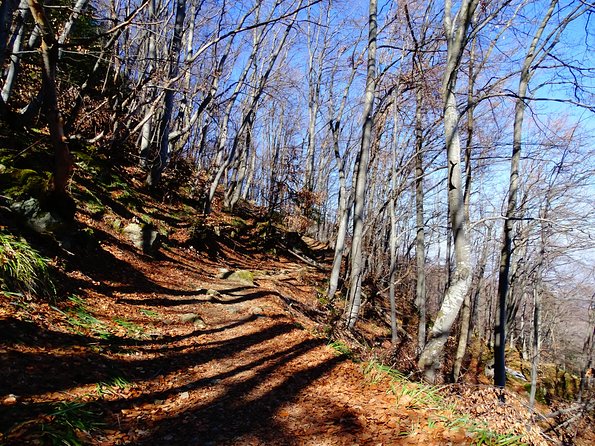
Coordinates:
82	320
66	423
24	272
149	313
341	349
69	424
416	395
112	386
132	329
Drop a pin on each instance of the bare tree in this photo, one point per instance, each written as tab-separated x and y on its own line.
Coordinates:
174	59
335	122
49	52
455	28
361	174
538	49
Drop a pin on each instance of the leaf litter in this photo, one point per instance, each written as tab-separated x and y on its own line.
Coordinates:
161	350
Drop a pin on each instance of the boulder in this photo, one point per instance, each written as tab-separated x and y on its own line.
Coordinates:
36	218
194	319
242	276
143	237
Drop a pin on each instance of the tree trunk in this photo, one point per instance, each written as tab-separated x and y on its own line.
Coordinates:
393	236
431	357
49	51
147	128
536	345
7	8
222	161
174	61
17	46
246	192
420	238
234	191
76	12
344	203
588	350
354	302
466	310
511	209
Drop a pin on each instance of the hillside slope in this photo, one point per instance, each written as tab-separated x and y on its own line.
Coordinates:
215	337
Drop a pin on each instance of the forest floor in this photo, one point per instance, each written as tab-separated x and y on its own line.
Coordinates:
164	350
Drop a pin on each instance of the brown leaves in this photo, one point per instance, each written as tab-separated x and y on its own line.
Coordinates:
512	417
246	378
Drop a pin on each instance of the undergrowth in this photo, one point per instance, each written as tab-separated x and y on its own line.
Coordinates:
80	318
24	272
69	424
418	395
66	423
112	386
341	349
133	330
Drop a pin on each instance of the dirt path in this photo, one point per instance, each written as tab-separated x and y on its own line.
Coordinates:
165	351
251	375
190	359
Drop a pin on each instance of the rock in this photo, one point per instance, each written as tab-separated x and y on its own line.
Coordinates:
143	237
193	318
242	276
211	292
36	218
516	374
489	369
185	395
257	311
9	400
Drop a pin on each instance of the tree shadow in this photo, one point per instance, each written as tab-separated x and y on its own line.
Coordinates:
54	368
235	414
109	274
18	332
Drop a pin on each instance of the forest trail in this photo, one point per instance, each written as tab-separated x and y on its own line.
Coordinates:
174	349
168	352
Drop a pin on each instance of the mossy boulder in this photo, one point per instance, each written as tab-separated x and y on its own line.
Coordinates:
242	276
36	217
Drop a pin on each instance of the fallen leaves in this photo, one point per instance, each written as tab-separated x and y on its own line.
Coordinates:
251	376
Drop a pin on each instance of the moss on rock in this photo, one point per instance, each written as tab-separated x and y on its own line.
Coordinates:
242	276
19	183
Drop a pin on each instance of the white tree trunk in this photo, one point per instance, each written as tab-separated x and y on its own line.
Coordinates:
431	357
361	176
